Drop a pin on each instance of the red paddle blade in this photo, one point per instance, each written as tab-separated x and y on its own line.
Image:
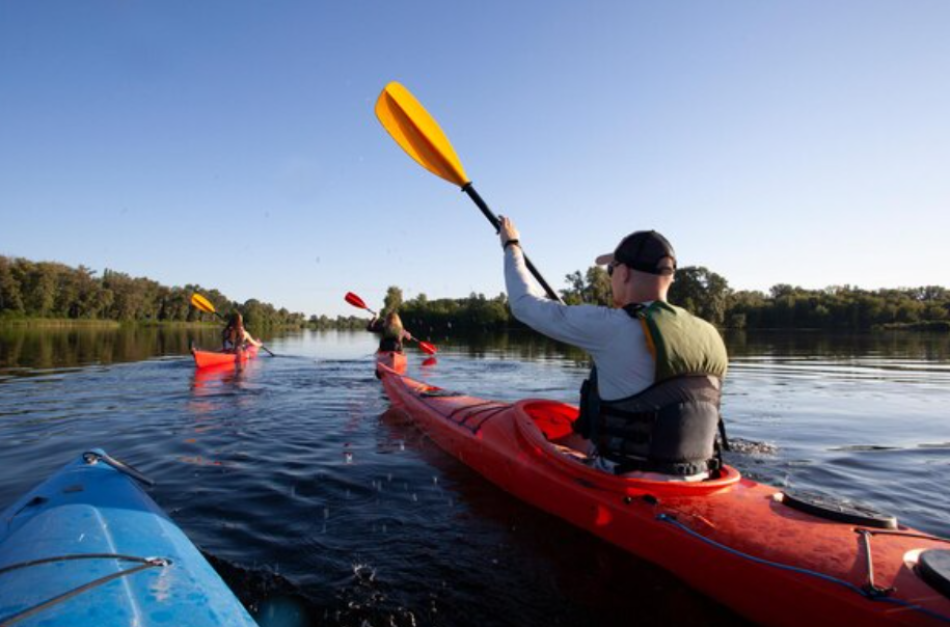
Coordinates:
428	348
355	300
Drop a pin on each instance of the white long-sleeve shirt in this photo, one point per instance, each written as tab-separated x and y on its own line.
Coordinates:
614	340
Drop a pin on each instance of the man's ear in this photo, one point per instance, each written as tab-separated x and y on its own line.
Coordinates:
628	270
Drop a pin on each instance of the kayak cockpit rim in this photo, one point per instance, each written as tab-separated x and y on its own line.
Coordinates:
542	422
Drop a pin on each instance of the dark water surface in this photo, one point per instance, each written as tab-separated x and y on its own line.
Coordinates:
308	495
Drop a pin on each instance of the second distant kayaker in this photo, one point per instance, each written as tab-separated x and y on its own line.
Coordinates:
235	336
651	404
392	332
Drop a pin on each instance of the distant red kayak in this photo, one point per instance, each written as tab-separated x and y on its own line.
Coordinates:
775	556
206	359
394	361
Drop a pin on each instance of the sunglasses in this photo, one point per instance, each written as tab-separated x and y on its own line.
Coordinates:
610	268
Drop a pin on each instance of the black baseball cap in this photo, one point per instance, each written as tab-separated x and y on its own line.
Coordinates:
643	251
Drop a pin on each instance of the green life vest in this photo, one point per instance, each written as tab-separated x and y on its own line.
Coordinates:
681	343
671	426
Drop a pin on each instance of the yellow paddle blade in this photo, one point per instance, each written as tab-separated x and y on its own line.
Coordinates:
202	303
418	133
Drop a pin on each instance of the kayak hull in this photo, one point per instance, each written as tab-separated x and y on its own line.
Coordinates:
393	361
69	526
211	359
730	537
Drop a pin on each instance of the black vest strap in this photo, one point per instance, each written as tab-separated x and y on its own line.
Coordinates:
633	309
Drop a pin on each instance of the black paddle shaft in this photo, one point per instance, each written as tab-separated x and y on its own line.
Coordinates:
493	219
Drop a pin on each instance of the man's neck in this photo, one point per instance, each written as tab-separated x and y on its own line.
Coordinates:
642	298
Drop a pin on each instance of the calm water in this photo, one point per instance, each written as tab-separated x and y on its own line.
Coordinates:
308	495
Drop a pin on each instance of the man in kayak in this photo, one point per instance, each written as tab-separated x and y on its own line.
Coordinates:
651	405
235	337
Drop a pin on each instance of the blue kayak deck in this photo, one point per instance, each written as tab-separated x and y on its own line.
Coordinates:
64	535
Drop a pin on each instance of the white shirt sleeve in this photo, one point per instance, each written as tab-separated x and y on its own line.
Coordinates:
584	326
615	342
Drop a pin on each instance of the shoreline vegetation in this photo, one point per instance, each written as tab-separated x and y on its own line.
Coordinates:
704	293
67	323
50	294
53	294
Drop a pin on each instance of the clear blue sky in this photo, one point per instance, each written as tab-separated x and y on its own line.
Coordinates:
233	143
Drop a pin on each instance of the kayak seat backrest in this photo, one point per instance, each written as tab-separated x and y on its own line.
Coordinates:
555	420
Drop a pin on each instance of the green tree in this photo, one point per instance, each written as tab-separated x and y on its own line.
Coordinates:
11	296
591	287
702	292
393	300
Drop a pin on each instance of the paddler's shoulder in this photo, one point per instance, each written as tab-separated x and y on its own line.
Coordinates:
607	317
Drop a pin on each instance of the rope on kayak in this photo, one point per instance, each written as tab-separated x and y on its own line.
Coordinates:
476	409
143	564
870	588
487	414
804	571
91	457
451	414
83	556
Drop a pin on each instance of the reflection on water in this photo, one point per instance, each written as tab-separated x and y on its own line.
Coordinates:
32	348
313	499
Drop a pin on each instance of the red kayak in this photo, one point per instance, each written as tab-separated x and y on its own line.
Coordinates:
774	556
393	361
206	359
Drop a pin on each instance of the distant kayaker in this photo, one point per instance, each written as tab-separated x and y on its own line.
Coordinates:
235	336
391	329
651	405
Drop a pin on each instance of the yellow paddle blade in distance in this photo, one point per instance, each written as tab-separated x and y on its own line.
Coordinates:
418	133
202	303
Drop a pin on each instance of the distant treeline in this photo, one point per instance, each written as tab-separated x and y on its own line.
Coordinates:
31	290
785	306
706	294
425	317
49	290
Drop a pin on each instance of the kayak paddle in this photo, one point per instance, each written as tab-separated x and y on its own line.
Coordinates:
200	302
417	132
356	301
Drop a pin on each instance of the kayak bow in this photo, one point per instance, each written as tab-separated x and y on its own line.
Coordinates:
207	359
773	556
89	547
